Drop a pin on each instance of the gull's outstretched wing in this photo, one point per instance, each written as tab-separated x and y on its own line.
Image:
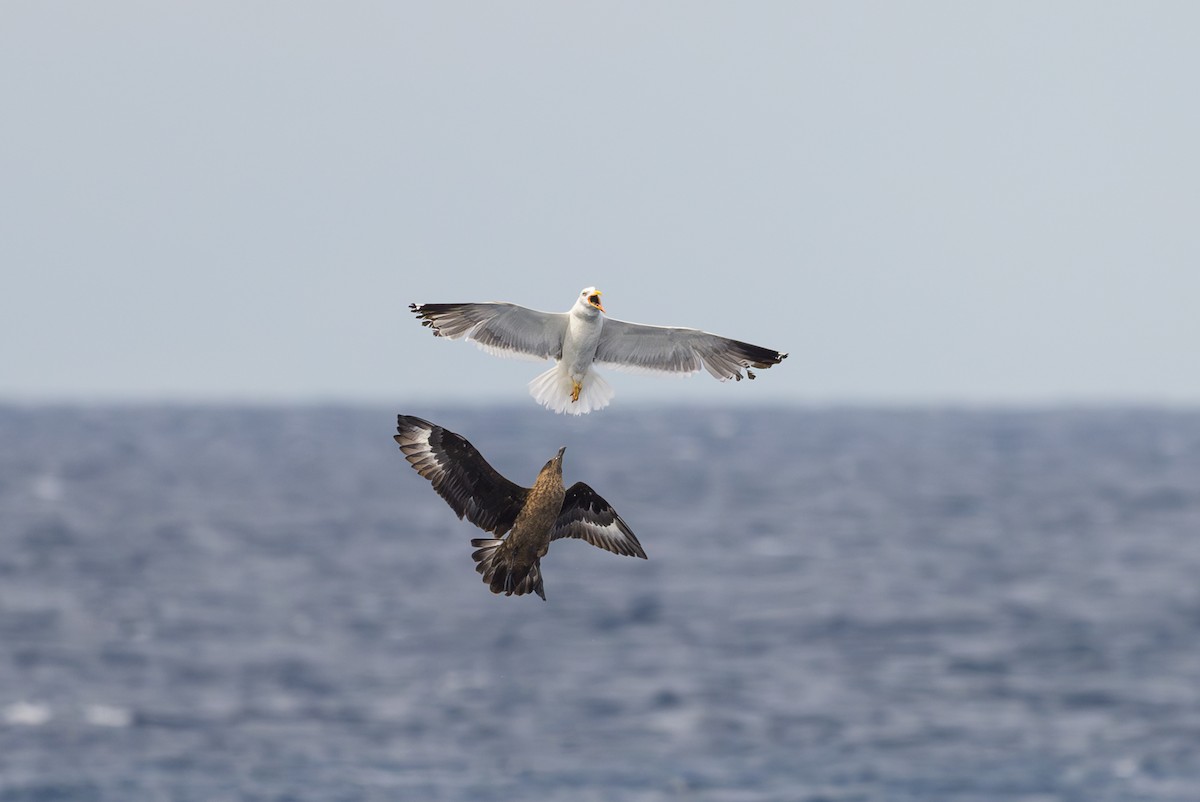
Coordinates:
661	349
502	329
587	516
460	474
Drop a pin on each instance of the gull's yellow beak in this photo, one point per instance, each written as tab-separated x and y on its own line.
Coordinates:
594	300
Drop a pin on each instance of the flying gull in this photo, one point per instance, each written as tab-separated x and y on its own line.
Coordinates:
584	336
532	516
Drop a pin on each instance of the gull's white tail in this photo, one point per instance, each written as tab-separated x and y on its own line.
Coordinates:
552	390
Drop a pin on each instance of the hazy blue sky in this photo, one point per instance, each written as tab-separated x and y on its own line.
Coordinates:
947	202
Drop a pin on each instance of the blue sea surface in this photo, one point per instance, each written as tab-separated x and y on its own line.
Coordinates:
268	603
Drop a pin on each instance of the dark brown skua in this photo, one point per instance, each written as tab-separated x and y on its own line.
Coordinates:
531	516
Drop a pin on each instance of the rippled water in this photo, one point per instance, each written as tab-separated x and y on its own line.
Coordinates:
270	604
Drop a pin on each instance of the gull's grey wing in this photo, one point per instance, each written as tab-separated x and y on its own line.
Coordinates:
460	474
502	329
661	349
587	516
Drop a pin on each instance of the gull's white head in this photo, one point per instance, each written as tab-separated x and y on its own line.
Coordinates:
590	296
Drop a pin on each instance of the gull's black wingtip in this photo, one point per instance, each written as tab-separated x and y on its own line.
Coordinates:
424	313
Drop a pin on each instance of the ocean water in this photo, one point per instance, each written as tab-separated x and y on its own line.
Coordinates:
845	604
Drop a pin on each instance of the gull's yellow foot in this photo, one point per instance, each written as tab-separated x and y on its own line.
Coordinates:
575	388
